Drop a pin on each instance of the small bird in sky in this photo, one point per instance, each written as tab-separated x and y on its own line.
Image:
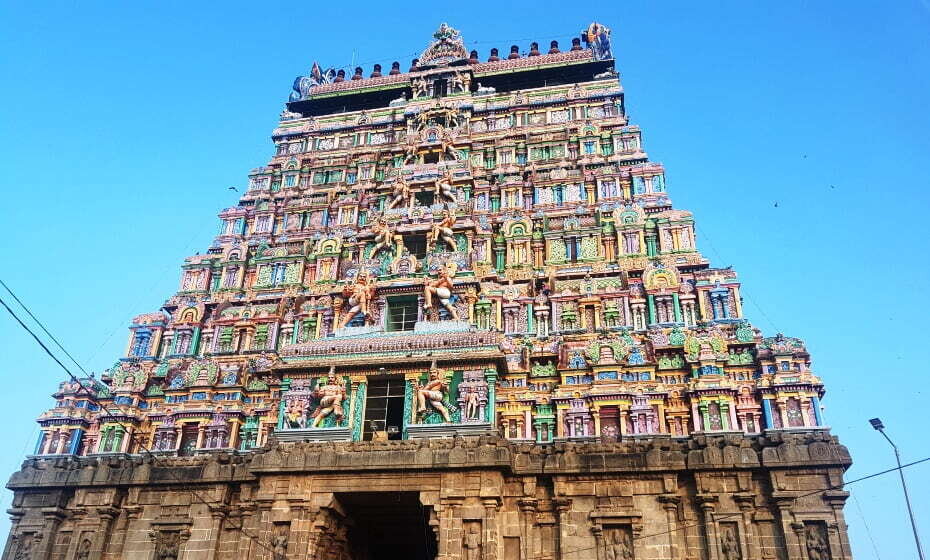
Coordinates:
233	189
832	186
804	156
776	205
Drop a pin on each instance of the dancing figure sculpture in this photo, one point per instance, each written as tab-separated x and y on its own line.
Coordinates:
358	295
442	231
445	192
400	193
384	236
433	393
331	395
441	288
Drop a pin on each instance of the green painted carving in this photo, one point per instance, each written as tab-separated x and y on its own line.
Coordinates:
161	370
557	250
619	346
589	248
292	273
209	371
358	406
154	391
543	370
740	358
676	337
264	276
408	404
694	346
674	361
256	385
744	333
461	243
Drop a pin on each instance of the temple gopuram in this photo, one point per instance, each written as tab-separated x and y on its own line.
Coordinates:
455	317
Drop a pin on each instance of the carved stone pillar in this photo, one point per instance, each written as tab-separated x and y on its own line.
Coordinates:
676	545
748	542
105	527
248	522
836	531
599	548
53	518
785	517
708	504
799	541
561	506
528	514
449	522
491	541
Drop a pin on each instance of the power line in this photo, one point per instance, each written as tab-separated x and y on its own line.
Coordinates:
865	523
55	340
742	289
732	515
131	434
158	278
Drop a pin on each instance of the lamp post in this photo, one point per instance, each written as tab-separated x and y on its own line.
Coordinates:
877	424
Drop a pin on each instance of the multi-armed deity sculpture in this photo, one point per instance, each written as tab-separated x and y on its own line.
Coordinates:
474	246
506	227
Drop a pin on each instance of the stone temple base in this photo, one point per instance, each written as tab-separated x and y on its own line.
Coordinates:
416	431
314	434
776	496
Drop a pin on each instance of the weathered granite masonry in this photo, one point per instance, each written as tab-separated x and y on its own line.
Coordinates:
719	497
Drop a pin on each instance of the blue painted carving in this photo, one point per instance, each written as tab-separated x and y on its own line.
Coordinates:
317	77
577	361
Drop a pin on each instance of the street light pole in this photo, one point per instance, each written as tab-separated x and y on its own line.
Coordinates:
877	424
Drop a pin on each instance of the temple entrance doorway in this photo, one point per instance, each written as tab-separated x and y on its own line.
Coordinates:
388	525
384	408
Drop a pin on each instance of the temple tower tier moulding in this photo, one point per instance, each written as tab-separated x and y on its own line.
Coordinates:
456	316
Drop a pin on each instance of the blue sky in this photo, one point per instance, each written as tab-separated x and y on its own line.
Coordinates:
124	125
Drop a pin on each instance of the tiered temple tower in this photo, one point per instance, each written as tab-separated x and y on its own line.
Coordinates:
477	255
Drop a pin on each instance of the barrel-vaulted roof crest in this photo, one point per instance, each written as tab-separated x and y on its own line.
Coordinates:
447	46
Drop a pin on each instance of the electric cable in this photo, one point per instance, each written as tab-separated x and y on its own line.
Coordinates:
41	326
868	530
131	434
739	514
742	290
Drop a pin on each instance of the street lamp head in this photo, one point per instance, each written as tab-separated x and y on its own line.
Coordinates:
877	424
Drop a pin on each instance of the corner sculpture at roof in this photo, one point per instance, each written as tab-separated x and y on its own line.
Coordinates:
317	77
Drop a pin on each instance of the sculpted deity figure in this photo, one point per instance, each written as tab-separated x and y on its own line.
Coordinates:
471	405
471	542
419	88
400	193
442	231
433	393
358	295
441	288
331	395
168	546
618	545
384	236
729	546
279	546
817	548
294	414
445	192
